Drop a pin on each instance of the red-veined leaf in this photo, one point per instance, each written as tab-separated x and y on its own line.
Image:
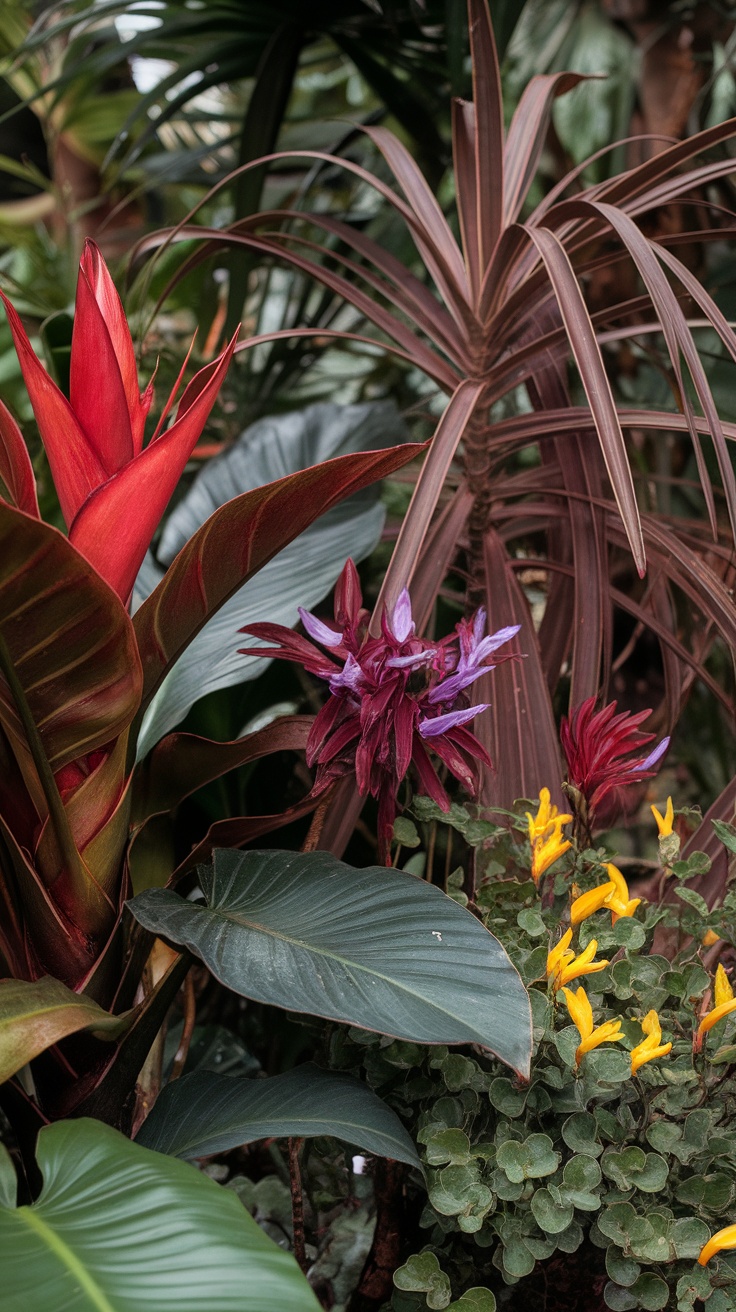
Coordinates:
236	541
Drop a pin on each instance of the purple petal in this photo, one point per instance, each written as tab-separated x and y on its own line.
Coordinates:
490	644
406	662
449	689
351	676
479	624
441	723
319	631
402	624
654	756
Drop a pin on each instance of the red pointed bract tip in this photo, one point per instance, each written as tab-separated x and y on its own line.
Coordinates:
112	490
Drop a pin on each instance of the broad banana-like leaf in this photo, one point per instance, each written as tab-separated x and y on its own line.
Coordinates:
205	1113
375	948
35	1016
117	1228
300	575
69	643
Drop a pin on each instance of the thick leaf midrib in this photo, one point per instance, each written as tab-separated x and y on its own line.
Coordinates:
333	1133
67	1257
229	917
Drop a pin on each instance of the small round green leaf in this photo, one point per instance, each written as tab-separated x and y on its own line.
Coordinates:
549	1215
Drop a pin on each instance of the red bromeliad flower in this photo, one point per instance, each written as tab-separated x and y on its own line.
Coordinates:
112	490
599	748
392	697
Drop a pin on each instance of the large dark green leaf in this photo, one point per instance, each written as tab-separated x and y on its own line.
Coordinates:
117	1228
206	1113
376	948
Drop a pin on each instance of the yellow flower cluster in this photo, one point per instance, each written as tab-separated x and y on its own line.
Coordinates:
650	1047
723	999
614	895
545	835
581	1015
563	965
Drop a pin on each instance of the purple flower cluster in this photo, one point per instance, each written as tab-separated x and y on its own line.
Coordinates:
391	695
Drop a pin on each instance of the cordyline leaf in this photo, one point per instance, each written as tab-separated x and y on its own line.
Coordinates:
182	762
239	830
16	470
458	414
487	98
117	1228
205	1113
595	382
519	730
527	136
236	541
375	948
35	1016
70	641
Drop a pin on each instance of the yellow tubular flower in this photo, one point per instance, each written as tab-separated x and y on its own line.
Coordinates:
581	1014
582	965
619	902
560	955
725	1238
652	1045
589	902
545	835
666	821
709	938
724	1000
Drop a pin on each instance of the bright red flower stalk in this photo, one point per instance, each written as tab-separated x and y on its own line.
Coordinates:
599	747
112	490
391	695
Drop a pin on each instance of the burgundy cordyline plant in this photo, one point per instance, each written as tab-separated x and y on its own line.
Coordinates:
603	754
393	696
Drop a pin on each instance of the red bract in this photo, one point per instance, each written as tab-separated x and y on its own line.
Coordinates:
391	695
599	748
112	491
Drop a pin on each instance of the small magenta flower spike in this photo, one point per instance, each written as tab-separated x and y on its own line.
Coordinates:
581	1015
652	1046
725	1238
393	697
603	754
545	835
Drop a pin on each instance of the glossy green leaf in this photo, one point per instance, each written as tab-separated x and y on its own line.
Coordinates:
117	1228
205	1113
236	542
300	575
35	1016
376	948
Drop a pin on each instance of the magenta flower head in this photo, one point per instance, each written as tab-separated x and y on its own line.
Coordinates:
604	755
392	697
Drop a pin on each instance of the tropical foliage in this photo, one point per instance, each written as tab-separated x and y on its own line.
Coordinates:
325	684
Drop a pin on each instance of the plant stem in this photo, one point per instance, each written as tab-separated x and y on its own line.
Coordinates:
297	1203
